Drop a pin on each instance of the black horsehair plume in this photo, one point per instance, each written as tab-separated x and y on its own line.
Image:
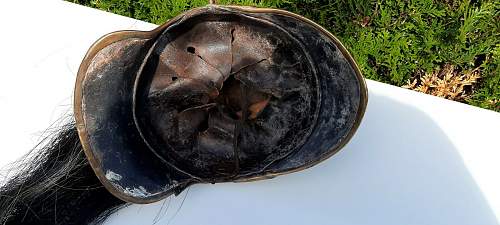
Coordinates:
55	185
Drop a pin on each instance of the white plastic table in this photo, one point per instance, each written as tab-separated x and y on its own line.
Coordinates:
415	160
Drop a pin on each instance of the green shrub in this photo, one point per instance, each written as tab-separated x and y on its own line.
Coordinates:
393	41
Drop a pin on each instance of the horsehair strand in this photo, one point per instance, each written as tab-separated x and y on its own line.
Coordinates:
55	185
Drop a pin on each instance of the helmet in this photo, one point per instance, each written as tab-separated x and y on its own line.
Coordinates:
217	94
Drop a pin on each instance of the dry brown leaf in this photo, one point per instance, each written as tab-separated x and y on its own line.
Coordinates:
446	82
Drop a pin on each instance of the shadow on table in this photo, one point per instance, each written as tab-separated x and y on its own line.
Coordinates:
399	169
406	171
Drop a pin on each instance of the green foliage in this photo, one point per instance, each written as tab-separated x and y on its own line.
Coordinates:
159	11
488	96
393	41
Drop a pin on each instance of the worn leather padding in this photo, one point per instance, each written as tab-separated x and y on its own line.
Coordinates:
126	159
246	55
